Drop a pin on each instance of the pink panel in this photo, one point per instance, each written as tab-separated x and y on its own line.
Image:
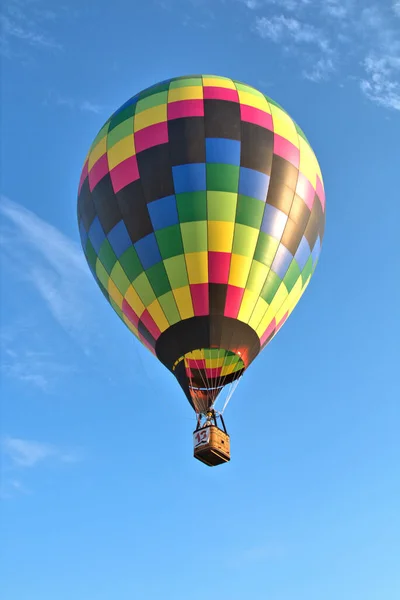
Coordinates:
84	174
217	93
285	149
185	108
218	267
149	323
256	116
196	364
305	190
213	373
147	344
233	300
321	193
281	322
270	329
130	313
151	136
98	171
199	292
124	173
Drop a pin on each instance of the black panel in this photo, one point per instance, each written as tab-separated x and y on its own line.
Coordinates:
105	203
316	224
300	213
132	204
217	297
146	333
206	332
222	119
292	236
256	148
186	141
180	374
284	170
280	195
155	172
86	207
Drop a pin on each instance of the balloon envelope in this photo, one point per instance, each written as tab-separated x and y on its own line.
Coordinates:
201	211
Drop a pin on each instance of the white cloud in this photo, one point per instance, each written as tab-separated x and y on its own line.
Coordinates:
336	8
54	264
29	453
396	7
320	70
279	28
382	81
54	98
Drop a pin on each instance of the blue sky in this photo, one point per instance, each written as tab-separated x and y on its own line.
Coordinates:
100	494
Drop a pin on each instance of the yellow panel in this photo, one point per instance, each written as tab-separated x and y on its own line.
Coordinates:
239	270
252	100
97	152
247	305
195	355
191	92
121	151
259	311
130	325
158	315
134	301
217	82
151	116
220	236
284	126
257	276
213	363
115	294
274	307
183	301
308	162
197	267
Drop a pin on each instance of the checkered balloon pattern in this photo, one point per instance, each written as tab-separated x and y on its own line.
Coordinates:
201	211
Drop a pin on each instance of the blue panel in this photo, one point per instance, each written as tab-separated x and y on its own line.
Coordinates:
96	234
253	183
189	178
303	253
281	262
83	234
119	239
316	250
274	221
220	150
163	212
148	252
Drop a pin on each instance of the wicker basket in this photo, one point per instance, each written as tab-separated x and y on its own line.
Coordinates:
211	445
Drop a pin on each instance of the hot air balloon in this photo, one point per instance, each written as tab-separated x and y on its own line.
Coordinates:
201	212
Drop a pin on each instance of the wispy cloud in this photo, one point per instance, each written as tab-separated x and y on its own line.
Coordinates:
50	261
280	28
54	98
382	84
29	453
396	7
320	71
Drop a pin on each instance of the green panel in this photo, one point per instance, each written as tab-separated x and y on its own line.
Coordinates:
102	274
222	178
247	88
194	236
154	89
121	131
107	256
151	101
125	114
102	133
266	249
274	103
244	240
221	206
185	82
270	287
192	206
292	275
119	278
176	271
169	307
170	241
301	133
256	277
306	272
91	255
130	263
249	211
144	289
116	308
158	279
